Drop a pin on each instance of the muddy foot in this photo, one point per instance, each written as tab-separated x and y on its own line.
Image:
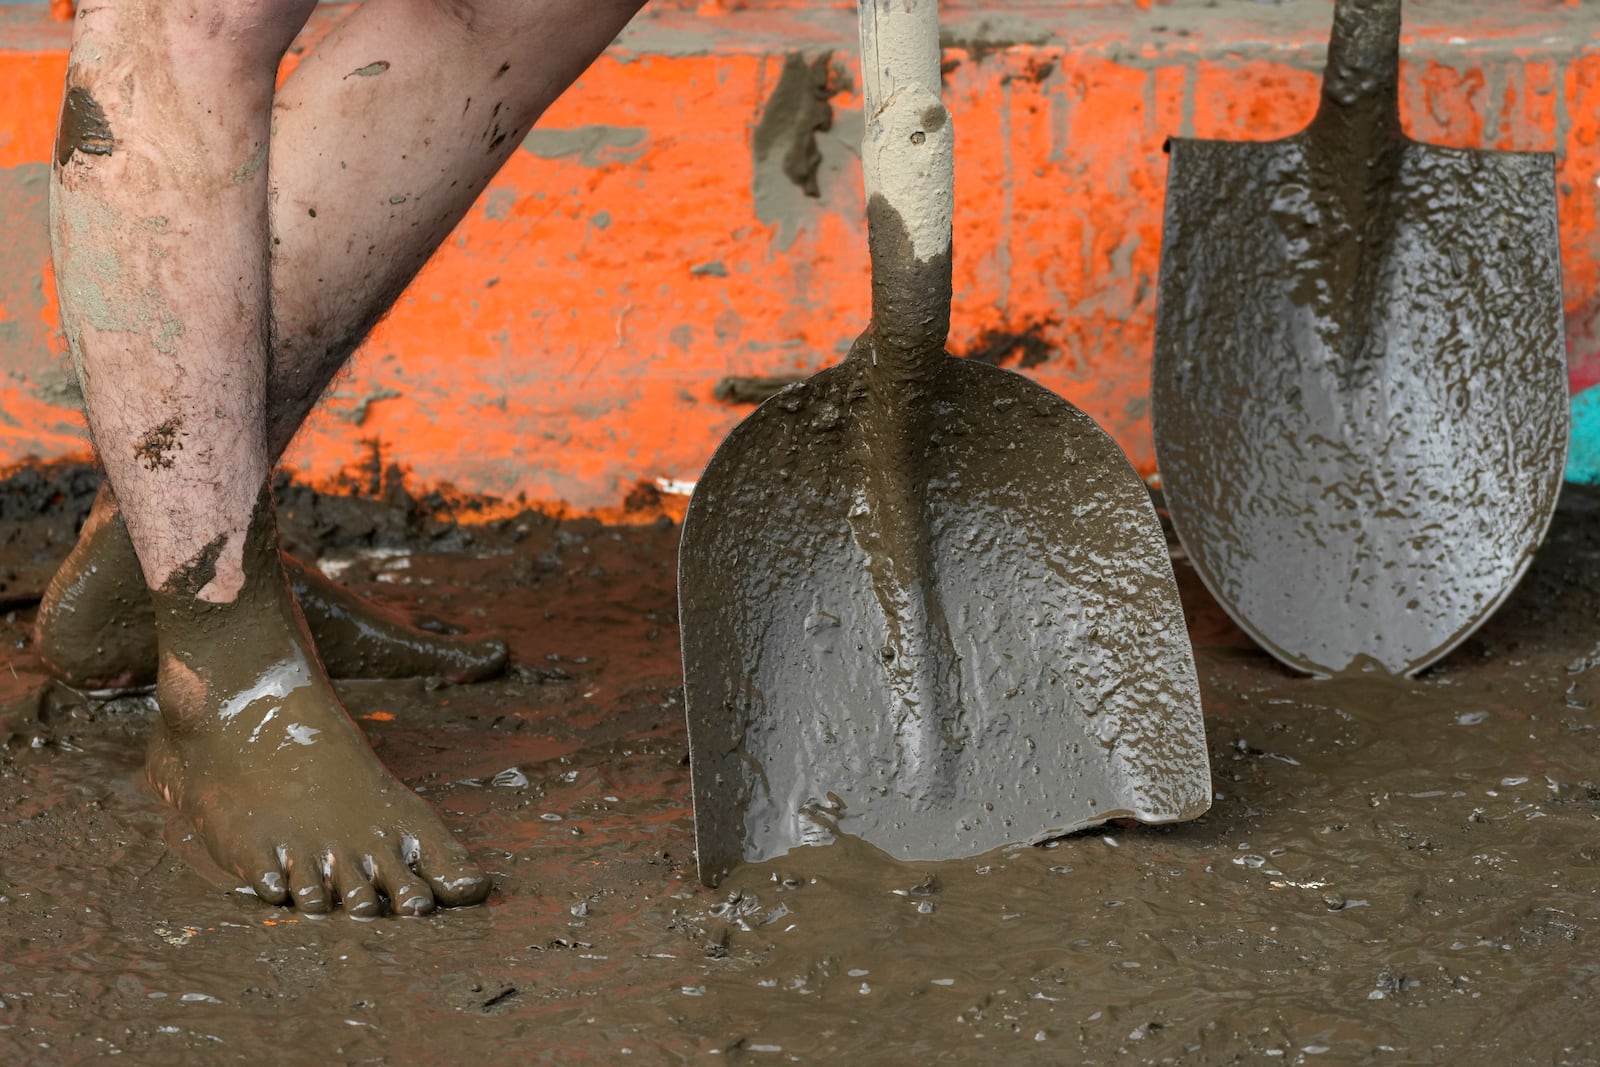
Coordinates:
284	789
95	630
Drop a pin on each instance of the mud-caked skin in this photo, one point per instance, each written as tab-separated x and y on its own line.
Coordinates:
95	629
253	745
201	213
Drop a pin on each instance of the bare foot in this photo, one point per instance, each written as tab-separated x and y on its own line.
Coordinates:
282	786
95	630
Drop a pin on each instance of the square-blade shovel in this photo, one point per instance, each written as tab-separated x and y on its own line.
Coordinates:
925	601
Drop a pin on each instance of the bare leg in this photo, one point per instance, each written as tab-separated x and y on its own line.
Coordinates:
341	147
370	173
160	217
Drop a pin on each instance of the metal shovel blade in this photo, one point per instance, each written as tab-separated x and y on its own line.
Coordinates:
1359	390
1032	677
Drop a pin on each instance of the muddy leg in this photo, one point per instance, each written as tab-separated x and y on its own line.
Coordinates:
159	216
414	101
95	629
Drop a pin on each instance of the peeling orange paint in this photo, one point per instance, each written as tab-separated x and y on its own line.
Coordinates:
561	349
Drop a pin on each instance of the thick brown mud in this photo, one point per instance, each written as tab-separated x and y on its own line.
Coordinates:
83	127
1392	871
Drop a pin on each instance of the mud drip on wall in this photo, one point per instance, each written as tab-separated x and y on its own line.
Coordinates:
797	111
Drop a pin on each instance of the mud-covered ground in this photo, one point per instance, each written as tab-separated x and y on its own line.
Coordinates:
1392	873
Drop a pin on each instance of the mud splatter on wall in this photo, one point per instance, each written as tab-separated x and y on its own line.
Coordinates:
38	394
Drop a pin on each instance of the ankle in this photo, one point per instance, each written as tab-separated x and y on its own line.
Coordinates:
211	652
230	565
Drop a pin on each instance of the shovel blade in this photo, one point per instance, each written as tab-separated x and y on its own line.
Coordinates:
1045	684
1360	420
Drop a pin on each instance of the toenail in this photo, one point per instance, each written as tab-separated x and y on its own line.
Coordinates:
465	883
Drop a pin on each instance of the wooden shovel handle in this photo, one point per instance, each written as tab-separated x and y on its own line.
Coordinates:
908	164
1361	85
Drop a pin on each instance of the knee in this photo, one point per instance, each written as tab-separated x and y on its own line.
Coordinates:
463	13
480	18
514	19
258	31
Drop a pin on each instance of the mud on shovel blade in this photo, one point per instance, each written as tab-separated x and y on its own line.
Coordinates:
925	601
1359	392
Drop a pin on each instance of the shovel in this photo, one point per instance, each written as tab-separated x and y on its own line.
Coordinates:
924	601
1359	393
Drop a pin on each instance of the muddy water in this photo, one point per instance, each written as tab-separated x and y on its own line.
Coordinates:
1392	872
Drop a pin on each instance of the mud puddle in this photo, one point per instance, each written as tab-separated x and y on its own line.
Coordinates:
1392	872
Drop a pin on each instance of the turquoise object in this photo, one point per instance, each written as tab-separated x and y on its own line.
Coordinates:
1583	454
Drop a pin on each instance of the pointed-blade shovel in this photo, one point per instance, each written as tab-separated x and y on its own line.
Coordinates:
925	601
1359	385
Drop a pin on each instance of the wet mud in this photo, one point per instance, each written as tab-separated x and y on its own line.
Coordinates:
154	449
751	389
1392	871
83	127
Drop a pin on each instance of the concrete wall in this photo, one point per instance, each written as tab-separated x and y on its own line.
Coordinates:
646	243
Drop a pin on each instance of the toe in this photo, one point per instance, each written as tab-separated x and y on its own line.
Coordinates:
271	886
352	882
306	882
456	881
258	865
479	660
408	894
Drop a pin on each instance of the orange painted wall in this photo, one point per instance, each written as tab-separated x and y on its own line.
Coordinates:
565	343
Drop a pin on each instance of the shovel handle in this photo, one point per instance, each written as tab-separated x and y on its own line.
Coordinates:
908	165
1360	104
